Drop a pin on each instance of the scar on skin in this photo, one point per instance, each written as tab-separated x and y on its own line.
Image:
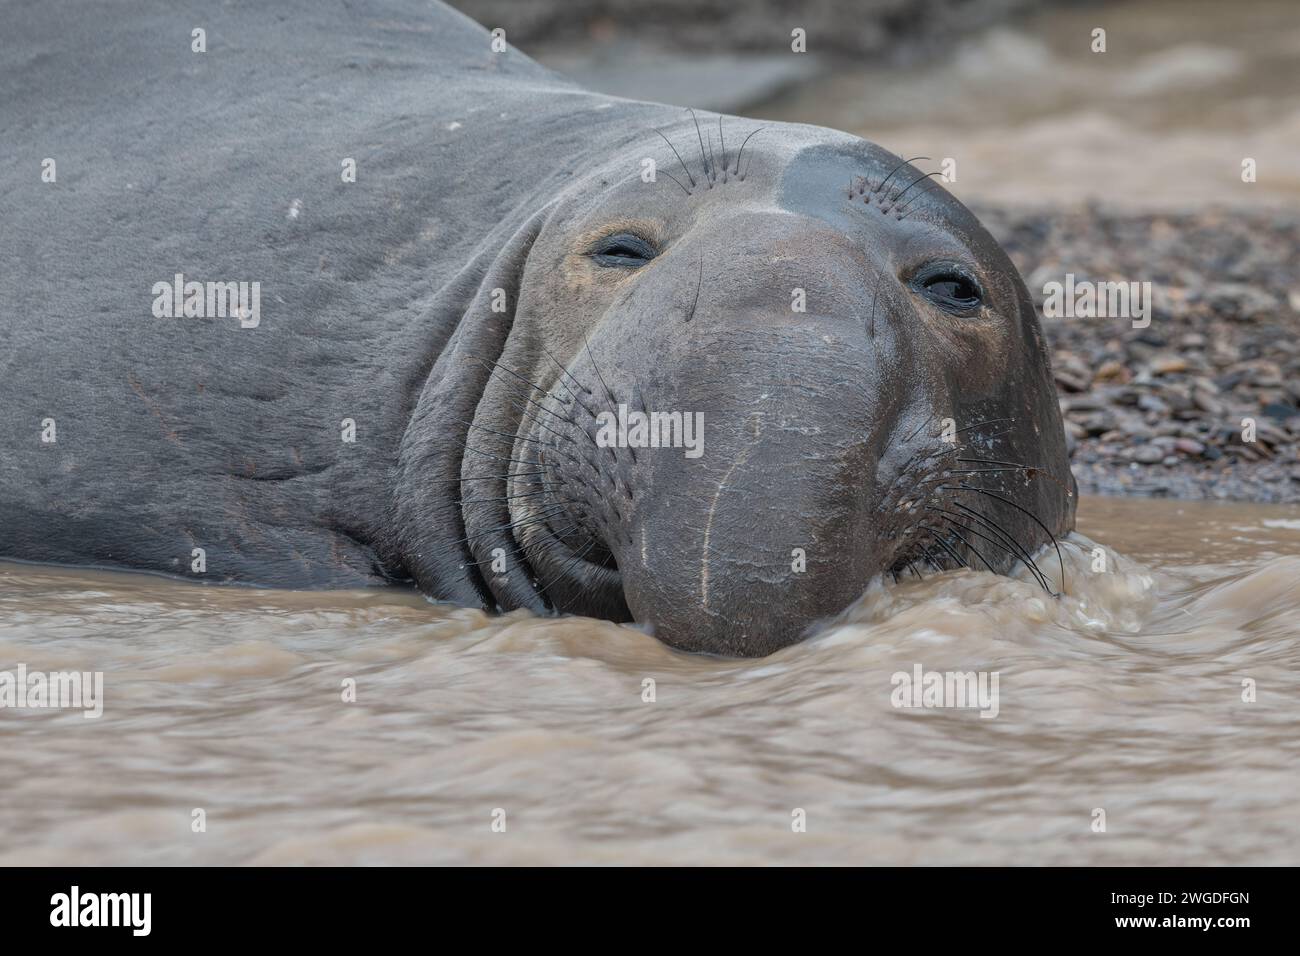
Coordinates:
755	419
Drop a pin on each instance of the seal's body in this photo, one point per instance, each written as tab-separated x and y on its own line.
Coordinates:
353	297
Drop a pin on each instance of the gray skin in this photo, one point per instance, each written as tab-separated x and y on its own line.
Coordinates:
498	275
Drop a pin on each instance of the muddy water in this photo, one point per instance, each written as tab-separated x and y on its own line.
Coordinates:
1124	696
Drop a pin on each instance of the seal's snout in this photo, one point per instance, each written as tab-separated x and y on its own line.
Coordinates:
726	512
721	566
742	550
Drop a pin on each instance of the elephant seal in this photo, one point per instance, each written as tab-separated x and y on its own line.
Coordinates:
302	295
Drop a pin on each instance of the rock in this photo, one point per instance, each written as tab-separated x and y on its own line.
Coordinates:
1263	374
1153	404
1083	403
1112	371
1240	301
1207	403
1178	397
1097	423
1168	364
1269	434
1072	376
1133	428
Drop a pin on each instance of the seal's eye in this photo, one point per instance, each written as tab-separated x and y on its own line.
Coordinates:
949	287
622	250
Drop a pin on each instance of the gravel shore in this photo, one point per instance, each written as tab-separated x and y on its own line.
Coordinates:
1159	410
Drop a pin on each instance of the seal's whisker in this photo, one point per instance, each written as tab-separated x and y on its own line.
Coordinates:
535	441
608	393
525	420
903	191
919	458
921	428
499	529
523	522
708	172
1032	517
539	407
925	191
989	421
513	461
572	562
741	151
994	461
969	471
547	352
699	283
510	371
722	145
522	494
519	549
1010	545
674	179
955	556
518	474
952	527
1023	552
685	168
1013	544
1033	471
896	169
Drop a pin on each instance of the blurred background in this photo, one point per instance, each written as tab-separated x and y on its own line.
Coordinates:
1011	88
1123	165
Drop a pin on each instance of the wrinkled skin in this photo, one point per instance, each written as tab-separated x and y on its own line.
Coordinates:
495	277
823	429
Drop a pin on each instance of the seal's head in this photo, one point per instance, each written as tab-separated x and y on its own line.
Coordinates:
732	396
